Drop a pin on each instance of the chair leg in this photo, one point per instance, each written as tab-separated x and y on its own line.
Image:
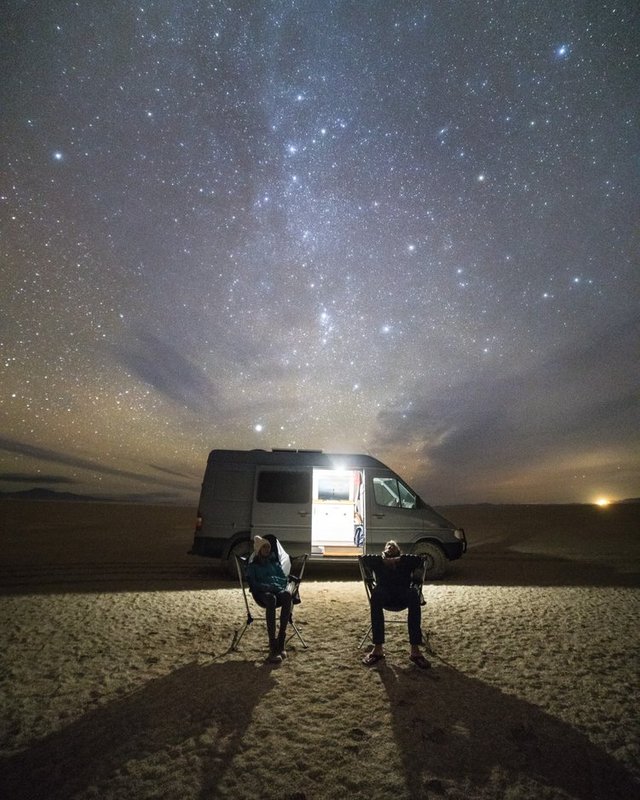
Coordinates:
365	637
296	633
238	636
425	639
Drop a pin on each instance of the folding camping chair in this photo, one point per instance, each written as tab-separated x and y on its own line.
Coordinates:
366	564
242	562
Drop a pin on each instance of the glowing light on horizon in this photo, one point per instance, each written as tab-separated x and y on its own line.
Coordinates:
603	502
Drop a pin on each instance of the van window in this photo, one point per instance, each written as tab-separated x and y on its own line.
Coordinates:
393	494
333	488
284	487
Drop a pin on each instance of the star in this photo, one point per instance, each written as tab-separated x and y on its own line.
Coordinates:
241	223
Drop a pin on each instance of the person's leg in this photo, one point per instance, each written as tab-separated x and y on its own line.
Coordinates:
415	630
378	599
268	601
284	601
377	620
413	618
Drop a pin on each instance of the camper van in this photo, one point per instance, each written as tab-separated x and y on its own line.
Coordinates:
333	507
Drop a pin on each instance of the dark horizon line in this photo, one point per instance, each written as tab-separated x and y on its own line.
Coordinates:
41	494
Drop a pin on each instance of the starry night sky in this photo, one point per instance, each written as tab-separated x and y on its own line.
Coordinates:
402	228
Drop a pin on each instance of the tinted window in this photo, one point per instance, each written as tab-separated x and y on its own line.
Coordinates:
390	492
284	487
407	497
385	491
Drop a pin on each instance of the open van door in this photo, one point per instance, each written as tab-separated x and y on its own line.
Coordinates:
337	529
392	510
283	506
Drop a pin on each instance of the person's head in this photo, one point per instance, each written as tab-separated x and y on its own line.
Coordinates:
261	547
391	549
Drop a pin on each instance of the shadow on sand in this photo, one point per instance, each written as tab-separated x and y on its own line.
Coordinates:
456	730
186	704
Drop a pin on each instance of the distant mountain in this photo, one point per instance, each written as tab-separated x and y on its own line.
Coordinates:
40	493
50	494
628	500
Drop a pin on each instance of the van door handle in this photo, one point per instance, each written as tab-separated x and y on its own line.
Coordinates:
378	516
303	513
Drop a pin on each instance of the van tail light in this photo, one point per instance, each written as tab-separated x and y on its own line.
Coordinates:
199	522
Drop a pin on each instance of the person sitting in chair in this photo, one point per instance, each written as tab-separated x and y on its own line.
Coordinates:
393	575
268	585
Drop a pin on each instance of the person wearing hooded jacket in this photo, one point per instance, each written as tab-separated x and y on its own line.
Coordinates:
268	585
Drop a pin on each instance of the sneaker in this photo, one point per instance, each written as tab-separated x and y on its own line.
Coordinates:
275	658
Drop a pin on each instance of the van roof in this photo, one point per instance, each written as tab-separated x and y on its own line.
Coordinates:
298	458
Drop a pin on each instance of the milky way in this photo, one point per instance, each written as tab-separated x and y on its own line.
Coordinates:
402	228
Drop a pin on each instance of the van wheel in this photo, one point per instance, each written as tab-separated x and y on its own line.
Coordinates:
435	559
242	548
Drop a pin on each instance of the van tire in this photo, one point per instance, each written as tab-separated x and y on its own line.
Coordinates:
241	548
435	559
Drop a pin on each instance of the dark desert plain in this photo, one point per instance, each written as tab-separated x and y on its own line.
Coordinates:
118	680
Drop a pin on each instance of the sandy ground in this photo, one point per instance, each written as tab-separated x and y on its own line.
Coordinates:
117	680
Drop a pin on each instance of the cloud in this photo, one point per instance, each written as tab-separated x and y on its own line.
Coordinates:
556	411
35	477
65	459
163	366
171	472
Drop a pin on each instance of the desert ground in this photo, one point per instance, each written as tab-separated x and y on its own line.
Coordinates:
117	679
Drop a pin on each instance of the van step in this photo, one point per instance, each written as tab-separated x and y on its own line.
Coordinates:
342	551
337	560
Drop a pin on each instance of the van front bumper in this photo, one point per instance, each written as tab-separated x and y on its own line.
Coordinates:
454	550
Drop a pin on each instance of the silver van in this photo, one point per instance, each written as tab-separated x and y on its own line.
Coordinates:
333	507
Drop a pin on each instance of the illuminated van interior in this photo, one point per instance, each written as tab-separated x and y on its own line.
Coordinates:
338	509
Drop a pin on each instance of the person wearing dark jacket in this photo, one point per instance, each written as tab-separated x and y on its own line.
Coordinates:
393	574
268	585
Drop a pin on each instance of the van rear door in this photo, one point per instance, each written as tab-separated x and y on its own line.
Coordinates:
282	506
392	511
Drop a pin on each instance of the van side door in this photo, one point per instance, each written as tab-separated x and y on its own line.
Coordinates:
391	511
282	506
